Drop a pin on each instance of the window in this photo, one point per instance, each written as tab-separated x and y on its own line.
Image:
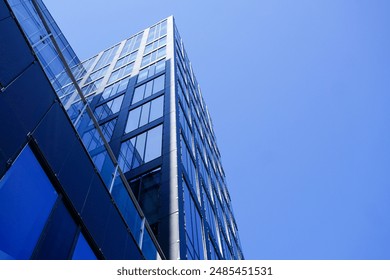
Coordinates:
210	217
148	89
92	139
104	165
98	73
108	129
185	127
151	70
127	207
107	57
57	241
69	88
85	65
182	76
74	110
183	102
65	99
109	108
155	44
202	169
125	60
188	163
114	88
121	72
146	189
26	200
63	78
132	44
220	215
83	251
145	114
193	227
140	149
92	86
151	57
157	31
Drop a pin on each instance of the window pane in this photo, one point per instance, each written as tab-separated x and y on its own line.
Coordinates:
151	70
92	139
114	88
148	248
83	251
143	74
26	199
133	120
148	48
105	166
99	73
193	226
161	52
59	235
107	57
116	105
126	59
126	156
132	153
140	146
159	84
108	129
138	94
127	207
160	66
145	114
154	144
156	110
109	108
122	85
148	90
132	44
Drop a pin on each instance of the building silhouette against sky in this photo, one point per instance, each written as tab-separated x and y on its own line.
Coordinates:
114	157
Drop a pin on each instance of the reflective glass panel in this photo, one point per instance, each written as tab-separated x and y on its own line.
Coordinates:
140	149
26	199
83	251
145	114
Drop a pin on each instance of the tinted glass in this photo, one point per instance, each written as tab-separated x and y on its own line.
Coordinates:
59	235
26	200
82	250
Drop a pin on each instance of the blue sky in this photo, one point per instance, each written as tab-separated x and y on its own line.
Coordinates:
299	94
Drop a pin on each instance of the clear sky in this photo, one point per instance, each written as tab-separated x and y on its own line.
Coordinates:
299	94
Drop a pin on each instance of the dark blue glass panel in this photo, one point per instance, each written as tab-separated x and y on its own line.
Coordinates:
96	210
15	55
3	11
113	247
59	235
127	207
35	103
26	200
83	251
148	248
193	226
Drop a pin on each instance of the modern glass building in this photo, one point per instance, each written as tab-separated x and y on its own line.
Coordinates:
121	160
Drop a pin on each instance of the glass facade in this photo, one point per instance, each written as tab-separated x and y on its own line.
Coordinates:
204	177
140	149
141	117
28	204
